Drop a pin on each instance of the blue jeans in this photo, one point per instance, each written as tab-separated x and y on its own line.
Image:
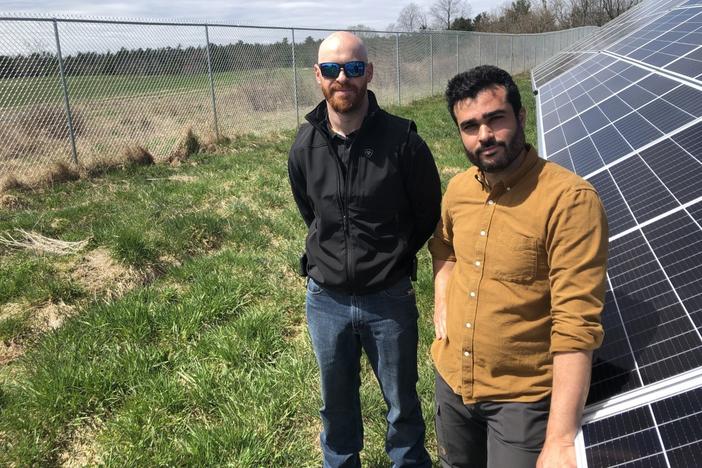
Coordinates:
384	324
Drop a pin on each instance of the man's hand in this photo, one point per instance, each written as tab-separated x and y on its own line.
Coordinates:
440	320
557	454
571	381
442	273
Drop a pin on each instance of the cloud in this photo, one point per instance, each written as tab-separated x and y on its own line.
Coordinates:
282	13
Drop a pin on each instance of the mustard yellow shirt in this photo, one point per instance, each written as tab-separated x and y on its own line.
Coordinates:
528	281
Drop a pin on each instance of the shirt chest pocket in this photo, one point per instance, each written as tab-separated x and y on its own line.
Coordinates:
513	258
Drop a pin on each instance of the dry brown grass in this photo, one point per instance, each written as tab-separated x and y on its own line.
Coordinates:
450	171
10	182
41	319
83	448
56	173
182	178
38	243
10	351
189	145
210	143
50	316
137	156
11	202
51	121
99	274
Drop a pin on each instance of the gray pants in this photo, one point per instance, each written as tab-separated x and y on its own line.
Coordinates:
486	434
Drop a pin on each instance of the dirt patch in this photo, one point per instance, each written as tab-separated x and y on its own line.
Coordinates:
98	273
50	316
11	310
83	448
40	319
10	351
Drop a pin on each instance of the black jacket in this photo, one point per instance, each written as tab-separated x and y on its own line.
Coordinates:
364	229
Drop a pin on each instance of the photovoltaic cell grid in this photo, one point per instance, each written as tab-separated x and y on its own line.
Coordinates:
671	42
629	120
613	31
612	112
653	307
663	433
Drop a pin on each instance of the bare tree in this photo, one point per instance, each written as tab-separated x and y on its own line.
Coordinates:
443	12
614	8
411	18
361	30
528	16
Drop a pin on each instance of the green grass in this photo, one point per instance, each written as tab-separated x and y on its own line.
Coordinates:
209	363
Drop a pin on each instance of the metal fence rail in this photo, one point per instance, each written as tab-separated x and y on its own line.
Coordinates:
79	90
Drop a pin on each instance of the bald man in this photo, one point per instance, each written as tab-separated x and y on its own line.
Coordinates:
368	190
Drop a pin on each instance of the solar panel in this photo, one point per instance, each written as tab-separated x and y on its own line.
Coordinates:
632	20
623	109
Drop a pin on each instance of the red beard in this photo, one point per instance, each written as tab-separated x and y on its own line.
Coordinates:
346	102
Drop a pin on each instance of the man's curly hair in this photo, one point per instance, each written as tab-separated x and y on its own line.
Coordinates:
468	84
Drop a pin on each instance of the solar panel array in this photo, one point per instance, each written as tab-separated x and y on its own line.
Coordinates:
661	433
623	109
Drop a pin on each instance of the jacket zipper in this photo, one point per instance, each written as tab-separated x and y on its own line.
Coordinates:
343	202
347	230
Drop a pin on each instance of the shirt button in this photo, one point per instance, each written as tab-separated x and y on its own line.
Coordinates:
477	263
466	353
468	325
491	202
482	233
472	294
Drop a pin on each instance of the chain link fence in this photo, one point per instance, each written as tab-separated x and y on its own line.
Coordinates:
80	91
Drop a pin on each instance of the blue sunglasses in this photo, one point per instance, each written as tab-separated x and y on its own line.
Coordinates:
352	69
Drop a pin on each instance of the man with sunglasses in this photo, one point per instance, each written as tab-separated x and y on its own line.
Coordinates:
368	190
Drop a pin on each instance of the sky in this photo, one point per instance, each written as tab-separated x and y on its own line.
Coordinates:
377	14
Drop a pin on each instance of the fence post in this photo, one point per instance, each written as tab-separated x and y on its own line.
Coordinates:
397	64
212	90
480	51
431	56
511	53
543	48
458	67
294	66
66	102
535	61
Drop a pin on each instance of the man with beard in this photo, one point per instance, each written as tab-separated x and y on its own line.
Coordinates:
519	269
368	190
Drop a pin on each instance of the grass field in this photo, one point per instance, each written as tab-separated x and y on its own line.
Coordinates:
26	91
178	336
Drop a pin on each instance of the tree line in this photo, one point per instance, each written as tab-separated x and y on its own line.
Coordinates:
516	16
191	60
